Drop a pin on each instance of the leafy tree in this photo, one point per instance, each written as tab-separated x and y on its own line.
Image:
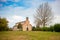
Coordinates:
10	29
20	26
57	27
33	28
3	24
43	16
36	29
45	29
51	28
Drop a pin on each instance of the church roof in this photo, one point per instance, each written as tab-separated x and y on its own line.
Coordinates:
20	22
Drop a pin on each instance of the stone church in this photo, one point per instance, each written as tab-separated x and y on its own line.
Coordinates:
26	26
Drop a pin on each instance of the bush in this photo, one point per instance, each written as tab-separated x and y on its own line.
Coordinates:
57	27
10	29
36	29
45	29
4	28
51	28
33	28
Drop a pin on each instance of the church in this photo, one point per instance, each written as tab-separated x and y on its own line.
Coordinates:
26	26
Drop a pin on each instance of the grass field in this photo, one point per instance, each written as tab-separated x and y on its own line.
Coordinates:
32	35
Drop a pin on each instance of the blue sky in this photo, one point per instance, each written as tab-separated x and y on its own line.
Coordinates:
17	10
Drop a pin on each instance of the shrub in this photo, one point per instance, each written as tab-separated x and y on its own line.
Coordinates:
45	29
36	28
51	28
33	28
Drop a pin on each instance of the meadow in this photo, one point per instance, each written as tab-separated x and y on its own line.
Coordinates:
29	35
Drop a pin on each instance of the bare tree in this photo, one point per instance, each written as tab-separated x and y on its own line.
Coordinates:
43	16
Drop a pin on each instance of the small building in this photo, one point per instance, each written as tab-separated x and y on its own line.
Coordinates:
26	26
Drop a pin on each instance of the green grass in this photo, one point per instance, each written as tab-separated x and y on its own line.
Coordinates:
32	35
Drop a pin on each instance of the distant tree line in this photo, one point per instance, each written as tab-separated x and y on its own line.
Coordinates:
54	28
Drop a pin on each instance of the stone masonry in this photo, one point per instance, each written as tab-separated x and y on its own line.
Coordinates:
26	26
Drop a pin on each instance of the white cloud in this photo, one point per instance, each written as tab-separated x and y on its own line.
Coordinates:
56	19
33	3
56	11
14	19
18	18
56	7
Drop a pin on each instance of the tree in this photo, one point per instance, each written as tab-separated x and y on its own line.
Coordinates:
33	29
57	27
51	28
20	26
3	24
43	16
